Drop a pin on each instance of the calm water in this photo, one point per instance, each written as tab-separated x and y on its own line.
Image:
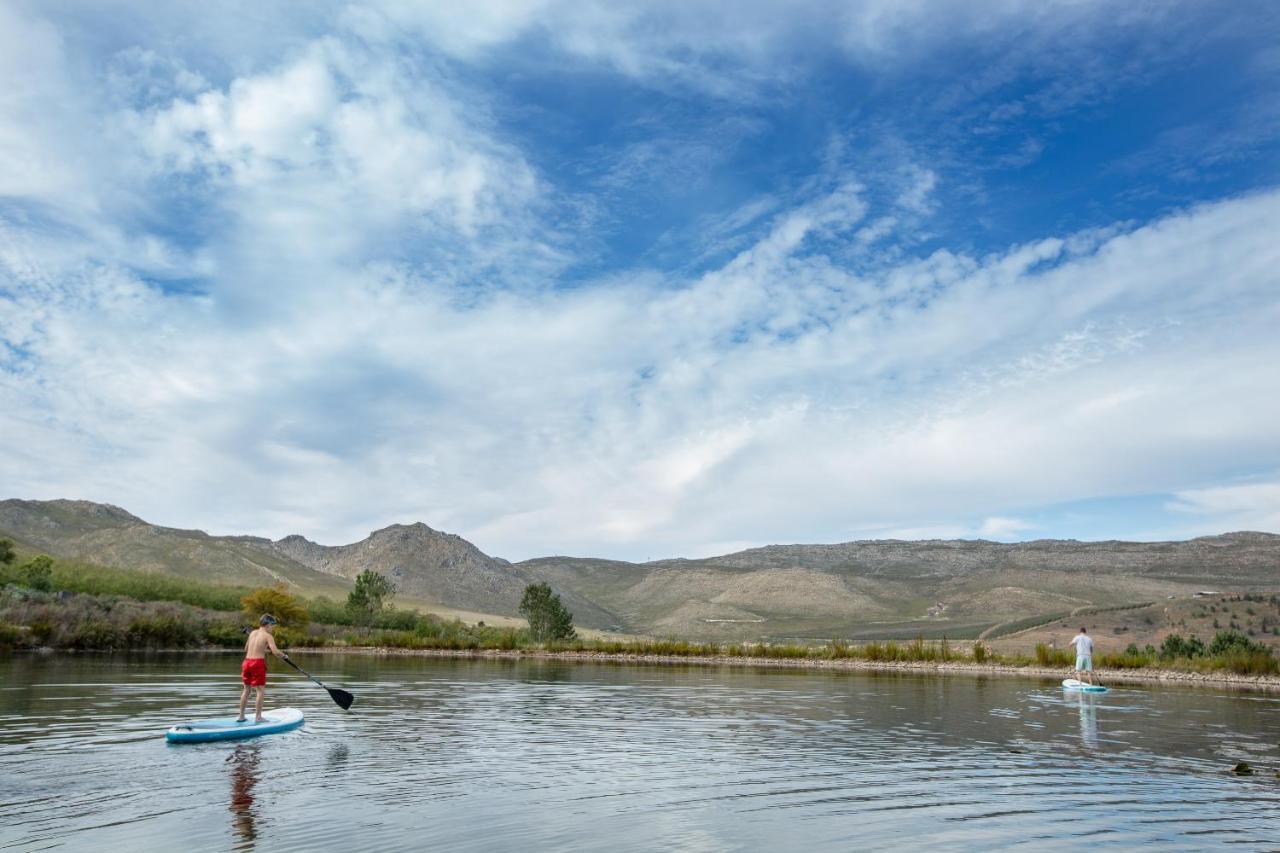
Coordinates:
460	755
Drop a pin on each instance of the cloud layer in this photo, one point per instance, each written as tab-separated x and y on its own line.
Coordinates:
337	284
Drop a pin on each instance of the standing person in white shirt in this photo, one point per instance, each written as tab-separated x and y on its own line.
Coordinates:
1084	654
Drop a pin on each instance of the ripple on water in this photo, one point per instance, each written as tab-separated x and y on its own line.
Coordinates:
475	755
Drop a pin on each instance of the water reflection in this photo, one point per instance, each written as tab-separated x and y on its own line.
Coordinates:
478	755
244	761
1088	722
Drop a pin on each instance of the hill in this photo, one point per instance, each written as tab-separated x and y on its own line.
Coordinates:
888	588
882	588
432	569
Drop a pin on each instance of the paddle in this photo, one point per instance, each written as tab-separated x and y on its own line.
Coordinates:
342	697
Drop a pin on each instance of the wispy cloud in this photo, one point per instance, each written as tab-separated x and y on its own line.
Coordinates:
328	286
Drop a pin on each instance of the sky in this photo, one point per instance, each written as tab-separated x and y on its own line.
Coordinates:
645	280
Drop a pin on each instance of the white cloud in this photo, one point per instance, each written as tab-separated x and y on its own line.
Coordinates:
775	399
1243	506
376	331
998	527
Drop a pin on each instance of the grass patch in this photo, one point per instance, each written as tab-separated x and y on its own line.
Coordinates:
73	576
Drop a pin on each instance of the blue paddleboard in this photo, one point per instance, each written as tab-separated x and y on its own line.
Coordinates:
1073	684
227	728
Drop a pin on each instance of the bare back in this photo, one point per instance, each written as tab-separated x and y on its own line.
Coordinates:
259	643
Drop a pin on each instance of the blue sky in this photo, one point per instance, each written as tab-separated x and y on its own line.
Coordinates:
649	279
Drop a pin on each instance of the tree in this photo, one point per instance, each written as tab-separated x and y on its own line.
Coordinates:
37	573
1174	646
1228	642
6	552
548	619
372	592
277	601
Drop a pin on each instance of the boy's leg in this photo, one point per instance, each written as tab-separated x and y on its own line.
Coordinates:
257	706
244	700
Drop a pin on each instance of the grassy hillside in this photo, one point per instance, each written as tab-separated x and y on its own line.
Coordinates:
852	590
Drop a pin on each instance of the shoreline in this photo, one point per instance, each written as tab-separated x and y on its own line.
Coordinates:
1164	677
1110	678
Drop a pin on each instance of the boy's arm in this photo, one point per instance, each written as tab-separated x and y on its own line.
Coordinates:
271	641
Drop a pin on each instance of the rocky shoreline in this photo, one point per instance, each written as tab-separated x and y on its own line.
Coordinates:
1165	677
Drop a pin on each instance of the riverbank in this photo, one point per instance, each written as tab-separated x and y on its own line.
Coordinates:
955	667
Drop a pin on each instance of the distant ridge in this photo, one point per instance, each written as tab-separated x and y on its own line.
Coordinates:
935	586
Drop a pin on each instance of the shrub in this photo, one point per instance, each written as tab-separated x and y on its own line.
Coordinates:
37	573
328	611
980	652
42	630
161	631
1174	646
8	635
6	552
1131	658
1257	661
1046	656
279	603
225	634
95	635
1226	642
398	620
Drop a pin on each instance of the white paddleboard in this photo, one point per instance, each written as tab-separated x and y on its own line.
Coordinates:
1073	684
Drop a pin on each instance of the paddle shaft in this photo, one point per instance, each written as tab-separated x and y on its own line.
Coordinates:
304	672
341	697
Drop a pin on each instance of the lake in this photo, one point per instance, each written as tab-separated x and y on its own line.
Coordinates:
544	755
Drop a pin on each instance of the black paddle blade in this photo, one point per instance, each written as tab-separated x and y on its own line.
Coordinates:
342	697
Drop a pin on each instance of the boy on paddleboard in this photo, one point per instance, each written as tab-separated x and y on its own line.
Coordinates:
253	672
1084	654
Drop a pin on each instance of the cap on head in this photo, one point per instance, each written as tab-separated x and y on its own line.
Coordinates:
267	619
1082	630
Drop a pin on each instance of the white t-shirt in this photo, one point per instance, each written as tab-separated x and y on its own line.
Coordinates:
1083	644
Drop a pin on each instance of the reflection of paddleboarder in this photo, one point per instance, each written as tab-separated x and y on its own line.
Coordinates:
1088	722
244	776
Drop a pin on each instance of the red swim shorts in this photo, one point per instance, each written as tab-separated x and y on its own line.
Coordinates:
253	672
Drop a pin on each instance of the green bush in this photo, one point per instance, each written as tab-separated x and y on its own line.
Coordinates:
1227	642
161	631
1257	661
8	635
1174	646
1131	658
397	620
1046	656
980	653
37	573
226	634
95	635
42	631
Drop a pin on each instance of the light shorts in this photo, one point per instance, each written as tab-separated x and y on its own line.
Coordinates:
1084	663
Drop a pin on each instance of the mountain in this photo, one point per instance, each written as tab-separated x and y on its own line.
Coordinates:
432	566
854	589
104	534
428	566
899	588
